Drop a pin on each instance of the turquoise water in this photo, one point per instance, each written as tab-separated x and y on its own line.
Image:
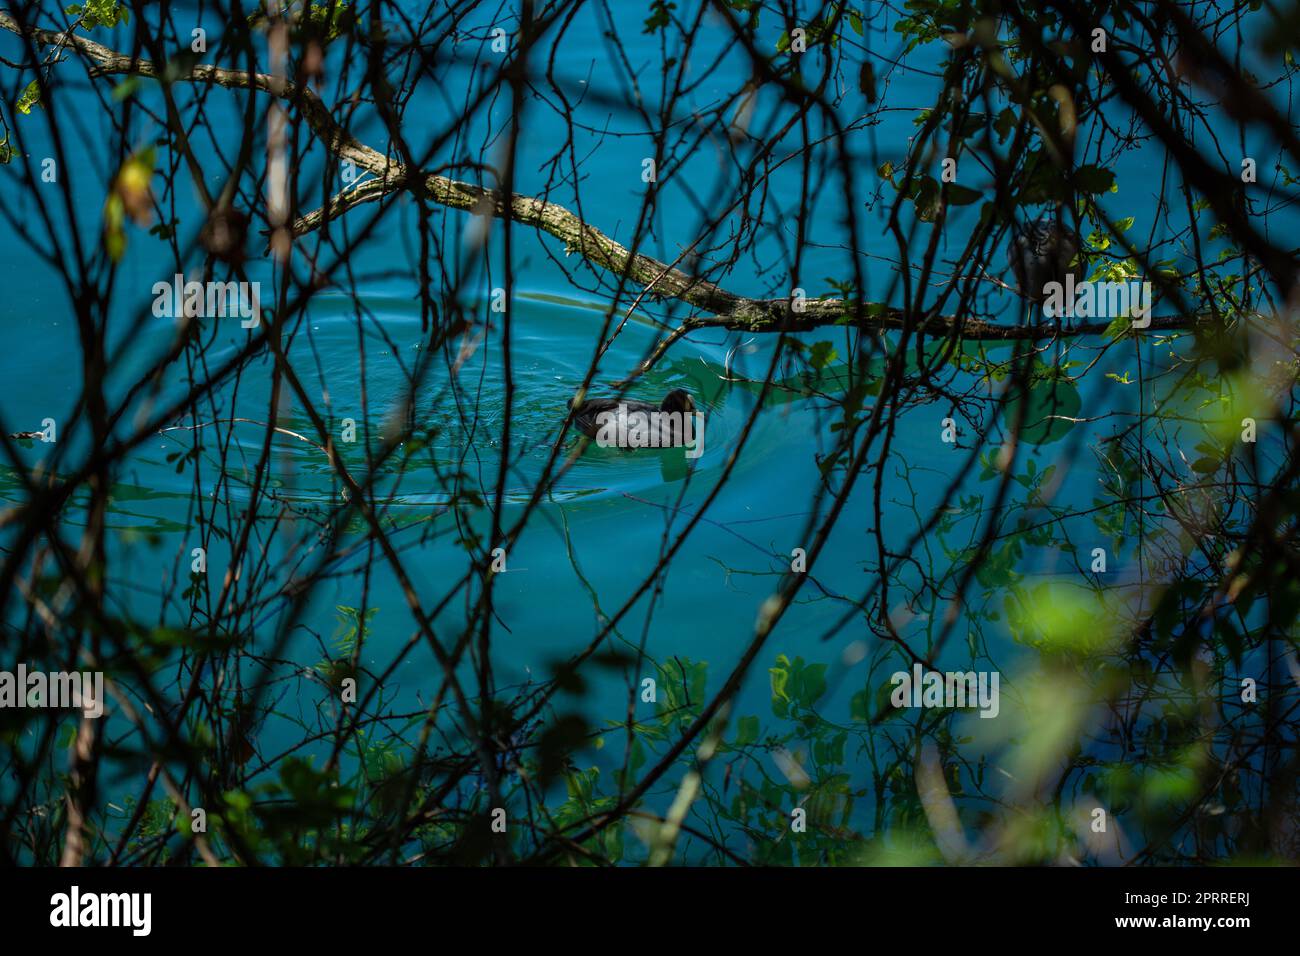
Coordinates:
605	523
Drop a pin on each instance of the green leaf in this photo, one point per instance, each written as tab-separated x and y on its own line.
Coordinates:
1094	179
780	678
659	16
31	97
99	13
822	354
1117	327
746	731
813	684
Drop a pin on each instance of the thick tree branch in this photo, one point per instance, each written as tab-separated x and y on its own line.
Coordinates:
718	307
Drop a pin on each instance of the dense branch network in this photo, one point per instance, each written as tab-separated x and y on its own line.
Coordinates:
904	579
717	307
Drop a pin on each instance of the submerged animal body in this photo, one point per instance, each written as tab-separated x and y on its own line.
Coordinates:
627	423
1043	252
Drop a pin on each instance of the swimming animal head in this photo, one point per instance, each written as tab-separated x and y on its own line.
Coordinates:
678	400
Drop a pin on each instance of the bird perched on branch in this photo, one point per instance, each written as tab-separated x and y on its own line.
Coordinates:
1044	251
